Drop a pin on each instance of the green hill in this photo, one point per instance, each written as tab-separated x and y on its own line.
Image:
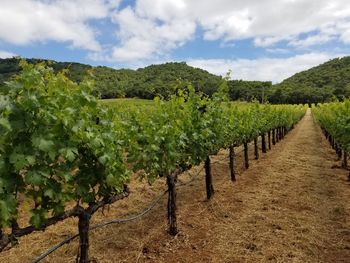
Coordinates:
145	82
164	79
10	67
319	84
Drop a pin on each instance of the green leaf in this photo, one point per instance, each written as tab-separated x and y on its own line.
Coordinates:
43	144
5	123
30	159
8	206
111	181
103	159
65	175
38	218
52	155
18	160
5	214
71	154
49	193
34	178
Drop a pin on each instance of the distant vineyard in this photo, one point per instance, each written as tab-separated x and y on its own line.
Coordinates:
60	145
334	119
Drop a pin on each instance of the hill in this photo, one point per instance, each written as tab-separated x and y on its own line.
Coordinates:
10	67
319	84
146	82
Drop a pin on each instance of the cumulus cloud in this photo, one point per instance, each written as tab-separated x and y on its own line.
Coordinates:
311	40
6	54
27	21
149	30
269	22
154	27
264	69
143	36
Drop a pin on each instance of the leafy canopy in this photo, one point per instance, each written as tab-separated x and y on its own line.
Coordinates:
57	145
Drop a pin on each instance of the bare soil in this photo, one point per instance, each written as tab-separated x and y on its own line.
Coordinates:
292	205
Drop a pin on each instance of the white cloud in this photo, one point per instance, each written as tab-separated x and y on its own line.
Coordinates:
278	50
344	28
149	30
269	22
6	54
264	69
26	21
143	37
155	27
311	40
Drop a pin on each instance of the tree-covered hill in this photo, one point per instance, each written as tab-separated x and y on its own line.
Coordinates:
249	90
10	67
164	79
321	83
146	82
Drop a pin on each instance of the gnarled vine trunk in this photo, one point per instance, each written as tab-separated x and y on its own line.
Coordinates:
208	179
232	163
263	143
256	149
83	226
345	159
172	205
246	159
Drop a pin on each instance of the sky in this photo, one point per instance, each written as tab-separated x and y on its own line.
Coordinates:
266	40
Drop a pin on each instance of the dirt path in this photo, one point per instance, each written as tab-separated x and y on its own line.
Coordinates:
297	211
289	206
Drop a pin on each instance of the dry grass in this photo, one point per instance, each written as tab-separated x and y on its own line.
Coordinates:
290	206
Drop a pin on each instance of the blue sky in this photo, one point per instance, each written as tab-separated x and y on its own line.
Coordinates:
255	39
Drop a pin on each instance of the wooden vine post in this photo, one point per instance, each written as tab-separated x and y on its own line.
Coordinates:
246	159
345	159
171	182
280	133
84	216
273	136
232	163
339	151
269	139
263	143
208	179
256	149
83	226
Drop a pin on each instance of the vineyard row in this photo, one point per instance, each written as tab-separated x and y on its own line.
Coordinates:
60	145
334	119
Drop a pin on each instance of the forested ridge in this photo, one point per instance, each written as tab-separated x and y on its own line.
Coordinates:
154	80
323	83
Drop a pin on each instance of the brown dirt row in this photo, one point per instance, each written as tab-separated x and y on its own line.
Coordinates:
289	206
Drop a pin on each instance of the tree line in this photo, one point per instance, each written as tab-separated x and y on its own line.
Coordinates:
327	82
